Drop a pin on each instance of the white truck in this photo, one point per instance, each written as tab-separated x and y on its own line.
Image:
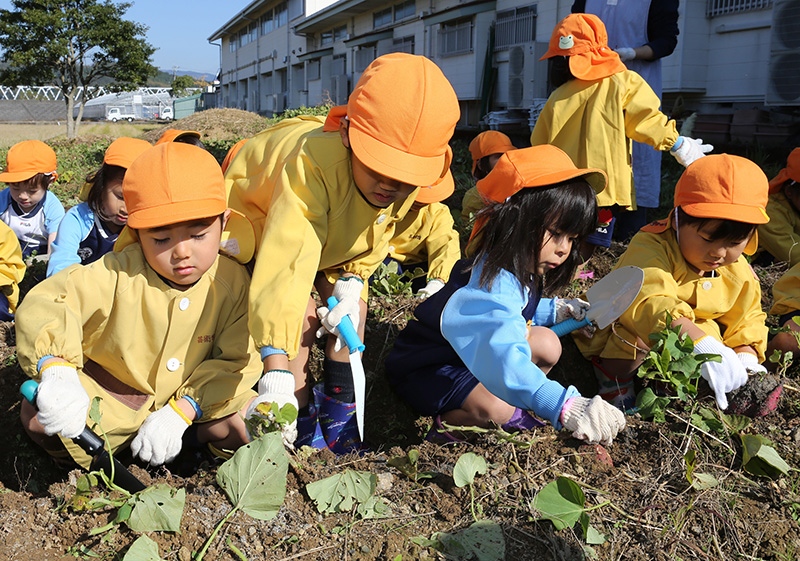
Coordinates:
119	114
165	114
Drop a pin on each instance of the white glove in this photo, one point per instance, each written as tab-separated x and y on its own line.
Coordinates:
725	376
277	386
61	400
626	53
593	420
347	291
159	438
686	150
571	308
750	363
433	286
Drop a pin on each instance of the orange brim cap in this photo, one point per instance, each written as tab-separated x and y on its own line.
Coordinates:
488	143
437	192
583	38
28	158
226	162
790	172
537	166
402	115
171	135
124	150
725	187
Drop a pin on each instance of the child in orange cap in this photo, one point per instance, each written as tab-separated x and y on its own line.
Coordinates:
780	237
324	197
425	237
486	149
598	105
157	329
176	135
695	272
786	305
477	352
28	206
90	229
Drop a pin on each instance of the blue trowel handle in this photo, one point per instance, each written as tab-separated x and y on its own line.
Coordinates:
570	325
347	330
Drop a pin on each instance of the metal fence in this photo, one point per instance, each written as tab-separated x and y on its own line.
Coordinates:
721	7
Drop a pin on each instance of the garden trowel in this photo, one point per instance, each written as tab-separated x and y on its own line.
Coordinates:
356	347
95	447
609	298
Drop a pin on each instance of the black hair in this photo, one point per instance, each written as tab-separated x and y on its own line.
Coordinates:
40	180
191	139
102	176
558	71
482	167
728	230
514	232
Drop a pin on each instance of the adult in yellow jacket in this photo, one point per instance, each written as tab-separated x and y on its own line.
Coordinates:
695	272
157	330
598	106
786	305
324	201
12	270
780	237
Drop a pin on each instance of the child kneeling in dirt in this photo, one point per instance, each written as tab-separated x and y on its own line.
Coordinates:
780	237
157	329
477	352
786	305
695	272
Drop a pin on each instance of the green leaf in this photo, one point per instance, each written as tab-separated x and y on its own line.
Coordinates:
158	508
594	537
467	466
759	458
255	477
143	549
690	457
561	502
482	541
649	405
374	507
704	481
340	492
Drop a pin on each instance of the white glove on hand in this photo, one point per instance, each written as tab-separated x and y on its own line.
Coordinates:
593	420
725	376
686	150
626	53
571	308
277	386
347	291
433	286
159	438
61	400
750	363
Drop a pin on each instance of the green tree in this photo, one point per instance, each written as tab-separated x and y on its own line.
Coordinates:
74	45
181	83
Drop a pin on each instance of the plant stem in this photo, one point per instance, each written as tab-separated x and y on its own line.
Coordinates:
199	556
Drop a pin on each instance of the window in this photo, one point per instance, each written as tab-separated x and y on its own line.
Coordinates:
338	65
340	33
244	38
405	10
365	55
515	26
267	23
384	17
403	45
326	37
232	44
281	15
455	38
253	32
720	7
312	70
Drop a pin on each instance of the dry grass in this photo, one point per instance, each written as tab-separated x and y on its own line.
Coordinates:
11	133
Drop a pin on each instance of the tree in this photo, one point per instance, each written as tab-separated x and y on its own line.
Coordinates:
182	83
75	45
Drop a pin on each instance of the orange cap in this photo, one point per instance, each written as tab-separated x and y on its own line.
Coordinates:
583	38
488	143
437	192
232	151
537	166
120	153
791	171
27	158
171	135
402	114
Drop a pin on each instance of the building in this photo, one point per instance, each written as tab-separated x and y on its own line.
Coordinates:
733	56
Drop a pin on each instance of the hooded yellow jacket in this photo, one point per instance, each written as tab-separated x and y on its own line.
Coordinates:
726	306
781	235
295	184
427	236
786	293
594	121
137	342
12	267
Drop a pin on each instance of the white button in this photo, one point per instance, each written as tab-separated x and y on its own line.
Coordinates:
173	364
707	285
381	218
391	248
183	304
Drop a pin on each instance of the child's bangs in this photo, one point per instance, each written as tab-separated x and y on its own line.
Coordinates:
574	208
730	231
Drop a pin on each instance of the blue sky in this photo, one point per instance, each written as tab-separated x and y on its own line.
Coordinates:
179	29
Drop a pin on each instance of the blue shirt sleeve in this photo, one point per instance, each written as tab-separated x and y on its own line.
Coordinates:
72	230
545	314
487	330
53	212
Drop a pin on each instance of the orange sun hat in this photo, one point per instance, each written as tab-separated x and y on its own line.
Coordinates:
28	158
584	39
171	135
439	191
488	143
401	116
791	171
119	153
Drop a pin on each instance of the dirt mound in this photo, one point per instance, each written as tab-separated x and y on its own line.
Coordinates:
219	124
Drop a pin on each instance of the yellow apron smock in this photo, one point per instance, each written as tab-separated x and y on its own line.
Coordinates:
786	292
12	266
427	236
781	235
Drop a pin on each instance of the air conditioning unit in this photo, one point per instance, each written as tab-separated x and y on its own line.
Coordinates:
527	75
783	86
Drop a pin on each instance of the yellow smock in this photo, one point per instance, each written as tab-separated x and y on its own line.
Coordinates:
12	266
726	306
148	341
295	184
786	293
781	235
594	121
470	205
427	235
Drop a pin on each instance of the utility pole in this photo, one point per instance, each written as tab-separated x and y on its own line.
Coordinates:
174	72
